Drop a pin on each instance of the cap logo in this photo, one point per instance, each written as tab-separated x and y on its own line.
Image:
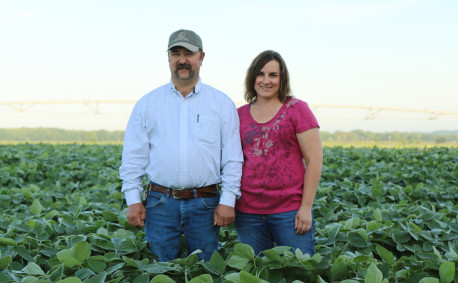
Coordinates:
181	36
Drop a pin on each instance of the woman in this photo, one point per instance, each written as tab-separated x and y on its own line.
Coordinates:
278	134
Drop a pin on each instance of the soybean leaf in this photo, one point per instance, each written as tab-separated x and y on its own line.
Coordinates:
301	257
35	208
33	269
401	237
373	226
57	273
67	258
378	215
81	251
281	249
204	278
244	250
128	246
7	242
157	268
237	262
233	277
23	252
96	265
216	265
316	258
4	262
50	215
192	259
84	273
246	277
112	269
373	275
438	254
273	256
360	259
130	262
70	280
162	279
357	240
109	216
104	244
429	280
385	254
338	270
99	278
141	278
447	272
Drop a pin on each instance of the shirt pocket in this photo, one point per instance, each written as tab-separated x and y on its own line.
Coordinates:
207	129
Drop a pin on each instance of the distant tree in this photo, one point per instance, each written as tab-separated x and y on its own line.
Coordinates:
441	139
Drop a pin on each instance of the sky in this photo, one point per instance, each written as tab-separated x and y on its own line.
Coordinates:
388	54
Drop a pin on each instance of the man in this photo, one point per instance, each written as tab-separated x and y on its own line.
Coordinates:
184	136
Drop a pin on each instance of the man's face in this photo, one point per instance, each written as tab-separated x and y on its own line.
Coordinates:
185	64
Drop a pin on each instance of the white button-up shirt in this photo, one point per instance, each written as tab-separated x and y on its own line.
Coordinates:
183	142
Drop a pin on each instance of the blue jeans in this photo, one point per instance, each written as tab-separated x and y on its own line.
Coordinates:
168	218
261	231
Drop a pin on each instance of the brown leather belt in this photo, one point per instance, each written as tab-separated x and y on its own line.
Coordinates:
203	192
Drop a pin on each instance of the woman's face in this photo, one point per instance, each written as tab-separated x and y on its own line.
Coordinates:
267	81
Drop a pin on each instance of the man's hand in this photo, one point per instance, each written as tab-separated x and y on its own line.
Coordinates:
224	215
136	214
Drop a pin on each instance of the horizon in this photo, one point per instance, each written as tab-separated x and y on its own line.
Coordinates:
439	132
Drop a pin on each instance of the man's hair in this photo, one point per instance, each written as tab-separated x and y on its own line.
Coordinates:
254	69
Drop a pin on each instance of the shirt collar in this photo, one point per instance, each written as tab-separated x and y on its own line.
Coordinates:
197	87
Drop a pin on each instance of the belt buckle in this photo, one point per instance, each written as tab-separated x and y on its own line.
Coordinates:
172	192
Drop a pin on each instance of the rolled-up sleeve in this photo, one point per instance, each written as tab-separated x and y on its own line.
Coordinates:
231	156
135	156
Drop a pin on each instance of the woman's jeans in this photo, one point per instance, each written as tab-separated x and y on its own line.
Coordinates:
168	218
261	231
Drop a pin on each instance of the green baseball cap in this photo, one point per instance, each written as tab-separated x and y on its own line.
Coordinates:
186	38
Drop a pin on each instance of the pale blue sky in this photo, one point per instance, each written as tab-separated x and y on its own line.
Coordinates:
399	53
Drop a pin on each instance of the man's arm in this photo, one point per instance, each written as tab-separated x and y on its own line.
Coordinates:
135	158
231	167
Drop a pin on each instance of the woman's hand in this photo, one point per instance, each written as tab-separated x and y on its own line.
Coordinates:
303	222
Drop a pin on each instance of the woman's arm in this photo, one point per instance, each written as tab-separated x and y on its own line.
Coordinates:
310	144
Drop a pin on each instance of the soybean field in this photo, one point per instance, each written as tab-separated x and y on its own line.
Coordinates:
382	215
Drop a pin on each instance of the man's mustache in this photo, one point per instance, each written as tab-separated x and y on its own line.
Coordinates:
184	66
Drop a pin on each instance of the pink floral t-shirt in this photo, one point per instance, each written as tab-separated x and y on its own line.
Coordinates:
273	169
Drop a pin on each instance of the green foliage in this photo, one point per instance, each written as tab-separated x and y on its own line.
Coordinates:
59	135
353	137
382	215
391	137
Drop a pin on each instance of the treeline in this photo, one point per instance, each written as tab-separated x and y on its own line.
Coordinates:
398	137
60	135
